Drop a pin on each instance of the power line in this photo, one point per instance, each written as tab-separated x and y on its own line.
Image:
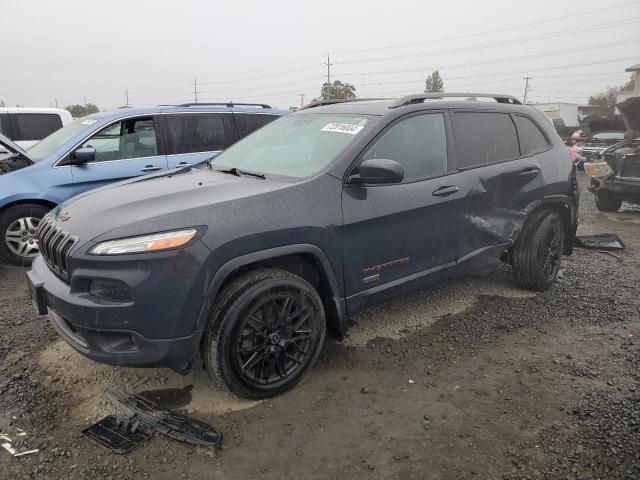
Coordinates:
508	59
488	32
503	43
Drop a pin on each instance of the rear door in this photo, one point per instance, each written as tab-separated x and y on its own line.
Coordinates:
191	138
125	149
499	178
397	233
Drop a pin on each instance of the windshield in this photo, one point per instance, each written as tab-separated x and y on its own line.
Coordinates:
294	145
609	136
50	144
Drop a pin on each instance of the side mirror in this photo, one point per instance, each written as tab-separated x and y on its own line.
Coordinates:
376	171
83	155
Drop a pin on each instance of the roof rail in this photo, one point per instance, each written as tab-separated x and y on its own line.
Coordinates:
225	104
421	97
331	101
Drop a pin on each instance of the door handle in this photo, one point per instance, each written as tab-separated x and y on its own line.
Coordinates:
182	163
444	191
150	168
529	173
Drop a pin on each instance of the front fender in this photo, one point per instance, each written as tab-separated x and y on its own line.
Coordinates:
234	264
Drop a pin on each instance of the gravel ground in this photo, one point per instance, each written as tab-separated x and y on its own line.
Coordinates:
472	380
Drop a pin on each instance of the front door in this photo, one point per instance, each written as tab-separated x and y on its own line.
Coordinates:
125	149
397	234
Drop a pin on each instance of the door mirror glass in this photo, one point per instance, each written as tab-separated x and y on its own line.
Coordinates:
83	155
376	171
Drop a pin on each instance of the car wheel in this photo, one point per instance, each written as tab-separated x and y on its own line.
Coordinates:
537	254
18	225
606	201
266	331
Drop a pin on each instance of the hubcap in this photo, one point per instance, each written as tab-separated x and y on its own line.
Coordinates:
552	253
276	338
20	237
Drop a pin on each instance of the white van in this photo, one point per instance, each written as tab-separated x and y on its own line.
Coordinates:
27	126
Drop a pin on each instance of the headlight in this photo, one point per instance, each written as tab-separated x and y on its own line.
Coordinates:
599	169
145	243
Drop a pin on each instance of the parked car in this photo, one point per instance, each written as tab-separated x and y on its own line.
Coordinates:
590	149
252	257
27	126
110	146
617	178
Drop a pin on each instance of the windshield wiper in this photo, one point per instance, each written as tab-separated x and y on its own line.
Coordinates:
238	173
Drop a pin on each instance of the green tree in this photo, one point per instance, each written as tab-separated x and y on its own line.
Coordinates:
78	111
337	90
605	102
434	83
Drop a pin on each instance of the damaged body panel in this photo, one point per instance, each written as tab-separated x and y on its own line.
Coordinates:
617	179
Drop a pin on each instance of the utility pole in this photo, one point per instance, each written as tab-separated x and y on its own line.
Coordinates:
301	100
56	102
126	96
526	87
195	90
85	105
328	64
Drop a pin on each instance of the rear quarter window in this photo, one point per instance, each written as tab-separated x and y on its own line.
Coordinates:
532	140
484	137
249	122
198	132
35	126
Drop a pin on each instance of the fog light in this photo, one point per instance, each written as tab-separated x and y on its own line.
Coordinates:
110	290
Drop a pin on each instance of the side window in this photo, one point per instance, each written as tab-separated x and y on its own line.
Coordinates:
532	140
195	132
484	137
248	122
35	126
133	138
419	143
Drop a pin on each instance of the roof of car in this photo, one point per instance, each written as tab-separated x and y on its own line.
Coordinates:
186	108
383	106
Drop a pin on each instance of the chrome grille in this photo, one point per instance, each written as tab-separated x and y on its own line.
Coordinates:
54	244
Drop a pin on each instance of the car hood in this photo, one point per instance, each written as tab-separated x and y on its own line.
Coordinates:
19	158
178	199
598	123
630	112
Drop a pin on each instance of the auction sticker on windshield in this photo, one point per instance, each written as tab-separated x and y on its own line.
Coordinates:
349	128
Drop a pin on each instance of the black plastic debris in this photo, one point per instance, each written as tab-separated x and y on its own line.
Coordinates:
120	434
172	424
607	241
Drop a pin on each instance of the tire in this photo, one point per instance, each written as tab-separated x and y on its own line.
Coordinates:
606	201
265	332
18	245
538	252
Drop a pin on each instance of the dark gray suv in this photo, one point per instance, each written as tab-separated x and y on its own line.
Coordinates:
251	258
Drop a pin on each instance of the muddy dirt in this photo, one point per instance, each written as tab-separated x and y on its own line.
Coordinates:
476	379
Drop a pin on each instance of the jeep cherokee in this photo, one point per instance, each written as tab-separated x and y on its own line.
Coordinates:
249	259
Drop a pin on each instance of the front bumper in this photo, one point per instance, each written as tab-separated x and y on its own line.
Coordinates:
156	328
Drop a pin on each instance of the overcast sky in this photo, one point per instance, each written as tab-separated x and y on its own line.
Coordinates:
273	51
